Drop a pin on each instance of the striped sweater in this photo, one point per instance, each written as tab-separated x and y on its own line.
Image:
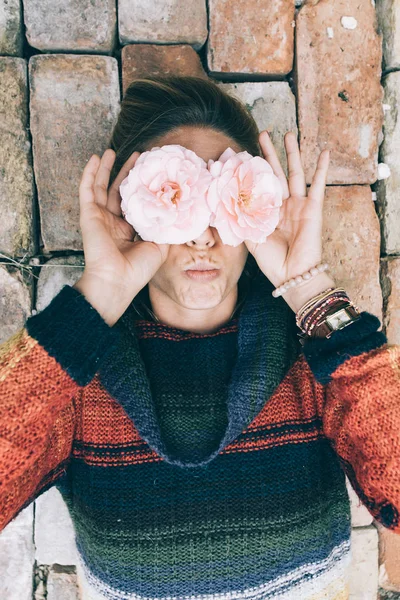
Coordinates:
202	466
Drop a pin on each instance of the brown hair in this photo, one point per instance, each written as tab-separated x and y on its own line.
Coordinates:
153	106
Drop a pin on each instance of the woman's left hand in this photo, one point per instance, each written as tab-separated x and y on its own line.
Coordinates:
295	246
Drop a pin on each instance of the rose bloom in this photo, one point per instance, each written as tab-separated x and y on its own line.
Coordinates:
164	195
244	197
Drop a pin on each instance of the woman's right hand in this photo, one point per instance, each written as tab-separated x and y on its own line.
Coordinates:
114	262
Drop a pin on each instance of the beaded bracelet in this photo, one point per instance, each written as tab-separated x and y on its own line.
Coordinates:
300	279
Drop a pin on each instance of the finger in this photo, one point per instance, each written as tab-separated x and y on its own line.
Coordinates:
114	198
297	180
86	191
271	157
317	188
103	177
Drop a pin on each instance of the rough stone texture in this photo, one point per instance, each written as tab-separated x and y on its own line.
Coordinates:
16	173
168	21
360	517
74	106
10	27
15	300
389	559
53	276
251	37
273	106
388	190
62	584
388	12
351	244
339	91
364	566
17	556
390	281
142	60
54	531
81	24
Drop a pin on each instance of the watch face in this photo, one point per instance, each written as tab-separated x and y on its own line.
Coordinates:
339	319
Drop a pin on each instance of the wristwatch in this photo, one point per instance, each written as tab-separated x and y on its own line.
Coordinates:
340	318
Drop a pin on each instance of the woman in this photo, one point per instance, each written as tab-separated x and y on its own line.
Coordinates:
200	448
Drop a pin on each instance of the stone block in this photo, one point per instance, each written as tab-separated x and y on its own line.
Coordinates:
250	37
62	584
16	172
15	300
74	105
360	516
390	280
71	25
17	557
168	21
351	244
54	530
272	105
337	76
389	559
364	567
142	60
11	38
54	274
388	13
388	190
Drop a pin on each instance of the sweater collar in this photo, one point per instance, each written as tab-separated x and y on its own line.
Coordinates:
267	347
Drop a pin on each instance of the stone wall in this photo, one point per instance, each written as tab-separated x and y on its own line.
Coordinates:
327	69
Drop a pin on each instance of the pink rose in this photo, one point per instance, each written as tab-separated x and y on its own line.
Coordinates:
164	196
244	197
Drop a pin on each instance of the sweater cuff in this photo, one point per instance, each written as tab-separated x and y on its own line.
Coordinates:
325	355
72	331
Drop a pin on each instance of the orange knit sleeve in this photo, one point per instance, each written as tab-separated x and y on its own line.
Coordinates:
43	369
37	420
361	418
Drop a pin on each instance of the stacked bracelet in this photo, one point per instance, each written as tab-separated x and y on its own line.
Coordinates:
314	312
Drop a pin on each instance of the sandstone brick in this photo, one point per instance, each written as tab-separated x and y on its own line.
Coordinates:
364	566
273	106
390	279
15	300
389	559
255	37
388	190
11	39
71	24
141	60
17	556
16	173
54	531
338	87
168	21
54	274
74	106
62	584
351	244
388	13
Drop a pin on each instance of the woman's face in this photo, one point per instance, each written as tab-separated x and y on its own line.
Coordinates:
175	297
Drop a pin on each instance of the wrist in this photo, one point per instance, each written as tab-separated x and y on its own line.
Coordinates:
297	296
110	303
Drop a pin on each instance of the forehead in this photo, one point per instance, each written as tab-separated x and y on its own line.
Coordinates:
205	142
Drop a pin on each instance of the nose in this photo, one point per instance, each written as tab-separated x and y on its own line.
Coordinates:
206	239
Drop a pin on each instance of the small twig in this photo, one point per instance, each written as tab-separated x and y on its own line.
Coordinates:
29	268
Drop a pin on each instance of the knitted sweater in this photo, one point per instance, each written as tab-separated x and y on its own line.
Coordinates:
202	465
